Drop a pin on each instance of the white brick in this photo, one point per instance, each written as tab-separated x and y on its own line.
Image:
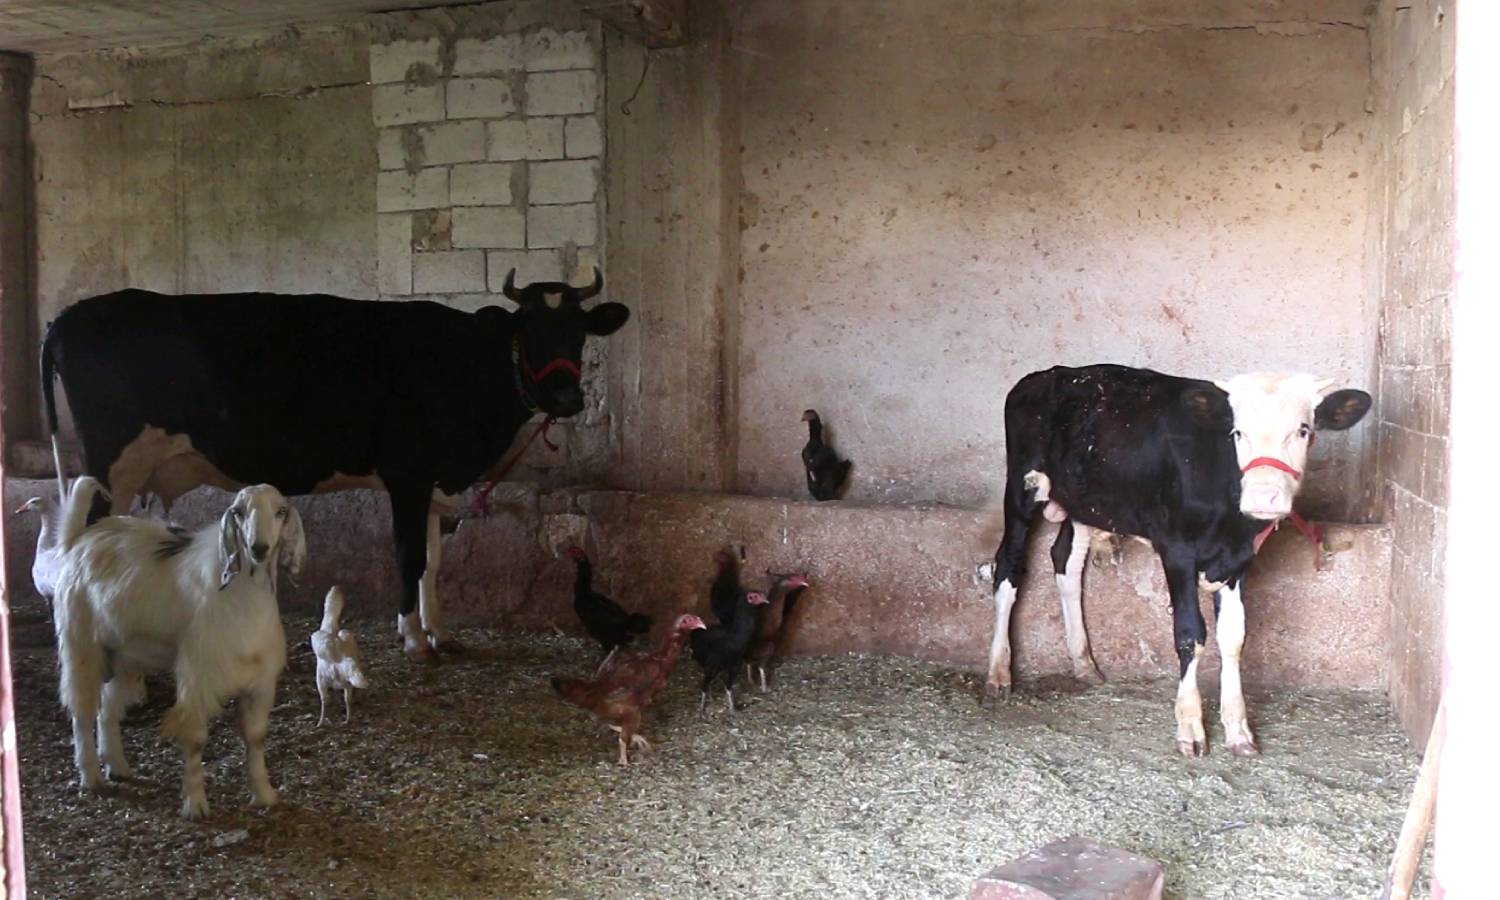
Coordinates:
394	254
554	226
390	149
548	50
480	98
498	54
451	142
584	137
402	104
449	272
526	139
427	189
488	226
530	265
480	184
392	62
561	93
570	181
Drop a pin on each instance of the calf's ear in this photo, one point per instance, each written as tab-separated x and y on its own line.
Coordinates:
1208	407
606	318
1341	409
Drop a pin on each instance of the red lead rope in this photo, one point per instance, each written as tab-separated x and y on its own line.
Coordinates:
497	475
1310	531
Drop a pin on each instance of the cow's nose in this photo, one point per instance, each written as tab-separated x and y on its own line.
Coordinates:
259	550
1265	501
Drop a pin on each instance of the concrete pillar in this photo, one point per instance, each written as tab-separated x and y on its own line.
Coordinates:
673	182
18	329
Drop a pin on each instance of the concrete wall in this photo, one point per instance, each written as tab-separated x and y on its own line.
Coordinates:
1413	45
885	580
940	197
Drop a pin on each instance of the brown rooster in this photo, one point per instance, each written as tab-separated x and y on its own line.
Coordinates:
772	631
626	683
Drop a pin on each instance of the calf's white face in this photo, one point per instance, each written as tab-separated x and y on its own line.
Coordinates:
1275	418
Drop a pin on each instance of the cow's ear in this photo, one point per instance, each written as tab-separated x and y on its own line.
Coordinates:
606	318
1341	409
1209	408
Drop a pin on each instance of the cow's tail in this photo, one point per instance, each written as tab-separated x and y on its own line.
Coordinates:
75	510
49	401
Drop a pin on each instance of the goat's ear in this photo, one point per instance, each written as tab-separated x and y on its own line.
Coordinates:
229	547
293	542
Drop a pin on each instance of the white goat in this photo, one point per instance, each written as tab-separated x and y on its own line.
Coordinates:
45	563
135	596
337	654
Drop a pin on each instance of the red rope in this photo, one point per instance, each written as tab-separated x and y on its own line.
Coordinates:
495	476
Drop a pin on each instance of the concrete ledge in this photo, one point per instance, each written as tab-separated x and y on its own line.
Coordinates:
896	580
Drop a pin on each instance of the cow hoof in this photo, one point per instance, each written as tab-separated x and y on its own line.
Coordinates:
450	646
1193	749
421	652
1244	749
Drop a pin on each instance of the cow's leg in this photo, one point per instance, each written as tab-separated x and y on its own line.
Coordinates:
1229	629
1189	634
432	610
409	505
1021	502
1069	558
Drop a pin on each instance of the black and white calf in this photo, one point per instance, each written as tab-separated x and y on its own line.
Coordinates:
1200	470
313	393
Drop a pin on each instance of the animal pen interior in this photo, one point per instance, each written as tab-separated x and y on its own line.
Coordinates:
888	212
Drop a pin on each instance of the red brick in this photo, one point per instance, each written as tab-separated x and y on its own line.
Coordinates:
1073	868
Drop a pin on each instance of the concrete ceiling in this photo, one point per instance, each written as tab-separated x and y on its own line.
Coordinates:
57	26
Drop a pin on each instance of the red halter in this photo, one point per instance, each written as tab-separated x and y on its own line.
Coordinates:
566	365
1274	463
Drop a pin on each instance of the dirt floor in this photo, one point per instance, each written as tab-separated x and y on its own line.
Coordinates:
854	777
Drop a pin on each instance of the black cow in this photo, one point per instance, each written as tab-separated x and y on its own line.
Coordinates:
1202	471
316	393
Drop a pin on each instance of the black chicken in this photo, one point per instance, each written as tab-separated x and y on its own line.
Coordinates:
603	618
726	588
826	473
720	649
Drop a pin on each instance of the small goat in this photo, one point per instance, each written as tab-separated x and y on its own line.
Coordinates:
337	654
45	563
135	596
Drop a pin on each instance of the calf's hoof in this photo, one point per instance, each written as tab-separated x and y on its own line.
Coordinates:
195	808
994	693
1088	673
1193	749
1244	749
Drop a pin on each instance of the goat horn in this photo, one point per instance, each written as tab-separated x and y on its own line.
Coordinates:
596	287
510	286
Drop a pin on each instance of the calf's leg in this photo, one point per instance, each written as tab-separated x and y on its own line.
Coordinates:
1069	557
1189	634
1229	630
1021	503
431	608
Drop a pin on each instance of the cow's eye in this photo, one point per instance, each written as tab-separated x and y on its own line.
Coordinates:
1236	434
1304	431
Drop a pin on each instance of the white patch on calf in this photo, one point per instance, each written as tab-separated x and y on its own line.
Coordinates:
999	675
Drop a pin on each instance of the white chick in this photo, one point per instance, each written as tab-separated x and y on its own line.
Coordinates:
338	655
44	567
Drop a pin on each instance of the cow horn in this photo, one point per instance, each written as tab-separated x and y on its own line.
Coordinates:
510	286
596	287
